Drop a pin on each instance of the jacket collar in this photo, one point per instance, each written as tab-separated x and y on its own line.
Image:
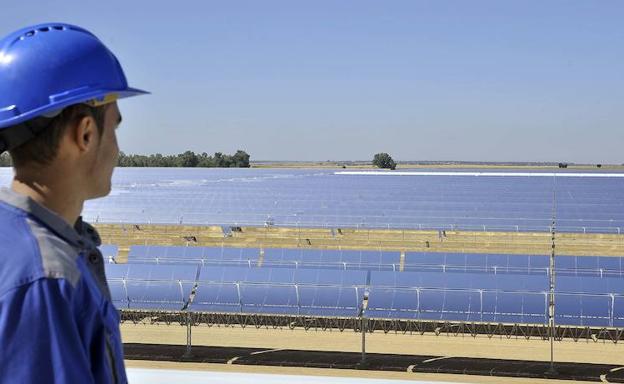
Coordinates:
45	216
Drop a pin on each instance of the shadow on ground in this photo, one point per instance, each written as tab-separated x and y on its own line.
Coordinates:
376	362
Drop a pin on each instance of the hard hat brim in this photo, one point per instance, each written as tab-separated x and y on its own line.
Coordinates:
59	102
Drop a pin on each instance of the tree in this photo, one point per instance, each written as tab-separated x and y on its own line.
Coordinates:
240	159
187	159
384	161
219	160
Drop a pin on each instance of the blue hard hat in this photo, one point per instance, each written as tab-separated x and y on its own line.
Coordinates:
47	67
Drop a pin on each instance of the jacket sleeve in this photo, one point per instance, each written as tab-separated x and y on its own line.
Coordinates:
40	338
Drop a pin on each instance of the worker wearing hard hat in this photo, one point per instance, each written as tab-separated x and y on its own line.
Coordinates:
58	114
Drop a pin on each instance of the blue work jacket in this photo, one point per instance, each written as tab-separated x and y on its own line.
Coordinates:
57	322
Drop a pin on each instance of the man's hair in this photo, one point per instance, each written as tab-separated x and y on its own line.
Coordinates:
43	148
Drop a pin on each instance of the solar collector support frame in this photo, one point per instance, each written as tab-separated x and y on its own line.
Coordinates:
397	326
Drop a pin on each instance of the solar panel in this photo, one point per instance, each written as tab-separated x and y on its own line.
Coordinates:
321	198
514	307
392	303
138	252
279	291
216	297
534	308
430	304
529	283
159	287
587	262
331	255
282	254
460	305
618	311
596	310
518	262
239	289
193	255
580	301
584	301
119	293
331	259
583	310
282	276
257	275
513	264
458	297
116	271
566	262
242	254
312	255
335	301
273	299
116	275
615	285
476	261
228	274
610	263
109	252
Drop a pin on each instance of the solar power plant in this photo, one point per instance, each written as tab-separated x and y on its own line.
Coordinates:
322	198
398	289
510	289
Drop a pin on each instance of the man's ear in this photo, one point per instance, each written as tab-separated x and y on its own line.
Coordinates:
85	133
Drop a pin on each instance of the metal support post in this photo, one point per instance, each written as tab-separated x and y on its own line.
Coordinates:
188	352
551	295
363	327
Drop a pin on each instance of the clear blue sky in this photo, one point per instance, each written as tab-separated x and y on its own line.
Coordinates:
344	79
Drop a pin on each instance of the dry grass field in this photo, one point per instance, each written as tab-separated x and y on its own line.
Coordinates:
395	240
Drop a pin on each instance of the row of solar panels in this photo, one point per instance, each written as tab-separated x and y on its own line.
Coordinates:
319	197
581	301
372	260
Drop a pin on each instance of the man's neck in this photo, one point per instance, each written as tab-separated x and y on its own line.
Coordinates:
56	195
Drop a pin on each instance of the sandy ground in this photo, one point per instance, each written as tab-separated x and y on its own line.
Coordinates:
378	342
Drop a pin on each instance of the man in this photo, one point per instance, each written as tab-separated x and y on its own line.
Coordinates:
58	114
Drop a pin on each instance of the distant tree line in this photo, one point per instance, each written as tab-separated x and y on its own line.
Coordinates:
188	159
